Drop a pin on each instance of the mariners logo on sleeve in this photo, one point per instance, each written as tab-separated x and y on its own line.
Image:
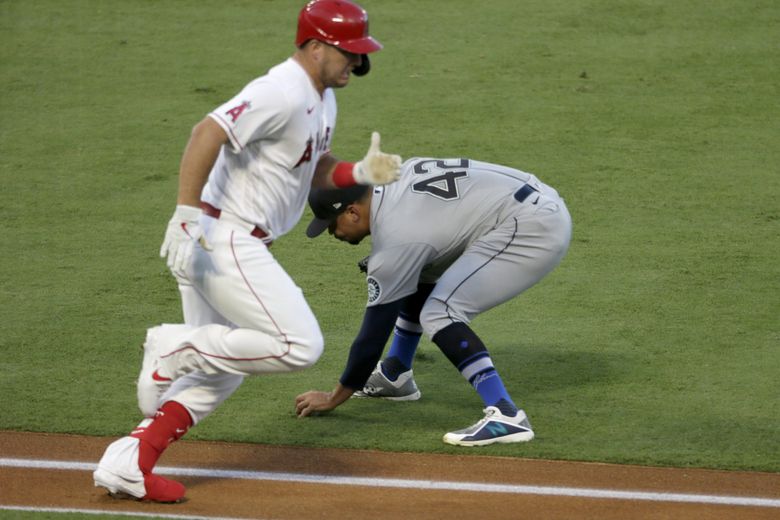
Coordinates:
374	290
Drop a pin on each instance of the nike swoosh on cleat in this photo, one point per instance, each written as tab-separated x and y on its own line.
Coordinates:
158	377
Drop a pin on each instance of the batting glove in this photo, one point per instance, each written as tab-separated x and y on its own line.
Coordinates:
183	231
377	167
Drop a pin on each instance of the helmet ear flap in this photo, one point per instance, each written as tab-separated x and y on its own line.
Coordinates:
364	67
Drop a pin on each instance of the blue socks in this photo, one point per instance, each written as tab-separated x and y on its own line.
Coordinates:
406	338
466	351
491	389
462	347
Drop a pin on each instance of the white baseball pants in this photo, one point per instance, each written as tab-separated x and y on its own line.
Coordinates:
243	316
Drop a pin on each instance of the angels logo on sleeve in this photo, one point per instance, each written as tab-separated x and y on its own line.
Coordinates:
374	289
238	110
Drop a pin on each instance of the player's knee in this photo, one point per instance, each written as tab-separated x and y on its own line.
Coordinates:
434	317
310	348
316	348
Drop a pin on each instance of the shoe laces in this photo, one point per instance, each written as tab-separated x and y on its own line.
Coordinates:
489	413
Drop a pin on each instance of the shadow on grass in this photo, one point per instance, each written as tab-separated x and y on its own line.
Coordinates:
527	370
551	368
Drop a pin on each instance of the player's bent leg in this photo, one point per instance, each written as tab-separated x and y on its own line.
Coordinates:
503	422
407	333
153	389
201	393
196	309
498	267
269	325
215	349
151	385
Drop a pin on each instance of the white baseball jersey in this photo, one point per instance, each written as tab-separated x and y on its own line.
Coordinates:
278	127
424	222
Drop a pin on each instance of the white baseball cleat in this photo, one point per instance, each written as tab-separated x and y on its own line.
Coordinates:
118	472
495	427
151	385
402	389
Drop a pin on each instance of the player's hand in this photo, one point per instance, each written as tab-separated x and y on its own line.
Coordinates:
313	401
377	167
183	231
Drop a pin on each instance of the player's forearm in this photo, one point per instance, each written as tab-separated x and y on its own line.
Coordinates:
332	173
323	173
376	167
363	357
367	348
199	157
340	394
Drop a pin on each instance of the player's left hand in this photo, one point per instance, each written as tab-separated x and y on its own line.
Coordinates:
313	401
377	167
183	231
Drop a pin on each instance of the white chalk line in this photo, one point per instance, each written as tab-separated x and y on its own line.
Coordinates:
67	510
561	491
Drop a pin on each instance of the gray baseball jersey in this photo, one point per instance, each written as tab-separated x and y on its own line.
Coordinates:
423	223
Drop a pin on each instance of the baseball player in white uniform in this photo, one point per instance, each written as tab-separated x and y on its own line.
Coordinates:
451	239
244	180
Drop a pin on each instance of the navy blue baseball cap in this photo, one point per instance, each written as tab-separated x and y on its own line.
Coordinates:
327	204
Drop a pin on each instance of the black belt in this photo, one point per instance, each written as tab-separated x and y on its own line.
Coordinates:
524	192
213	212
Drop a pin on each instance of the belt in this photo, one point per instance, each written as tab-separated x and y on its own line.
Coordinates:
213	212
524	192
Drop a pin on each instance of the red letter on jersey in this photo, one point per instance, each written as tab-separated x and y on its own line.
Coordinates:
236	111
306	157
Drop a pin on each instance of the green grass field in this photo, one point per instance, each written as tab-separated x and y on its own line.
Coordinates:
657	341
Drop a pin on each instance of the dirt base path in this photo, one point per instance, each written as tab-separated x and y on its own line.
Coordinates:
41	471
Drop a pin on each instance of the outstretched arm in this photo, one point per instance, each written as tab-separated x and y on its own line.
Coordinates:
377	167
364	354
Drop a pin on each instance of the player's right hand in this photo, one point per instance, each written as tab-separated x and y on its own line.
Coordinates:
377	167
183	231
311	402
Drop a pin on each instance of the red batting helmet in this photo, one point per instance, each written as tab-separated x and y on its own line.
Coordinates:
340	23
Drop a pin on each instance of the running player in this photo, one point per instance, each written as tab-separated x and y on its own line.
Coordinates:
243	182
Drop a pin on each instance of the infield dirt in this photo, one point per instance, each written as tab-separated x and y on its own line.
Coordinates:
265	499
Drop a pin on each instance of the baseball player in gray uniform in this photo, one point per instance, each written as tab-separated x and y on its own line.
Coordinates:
243	182
451	239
